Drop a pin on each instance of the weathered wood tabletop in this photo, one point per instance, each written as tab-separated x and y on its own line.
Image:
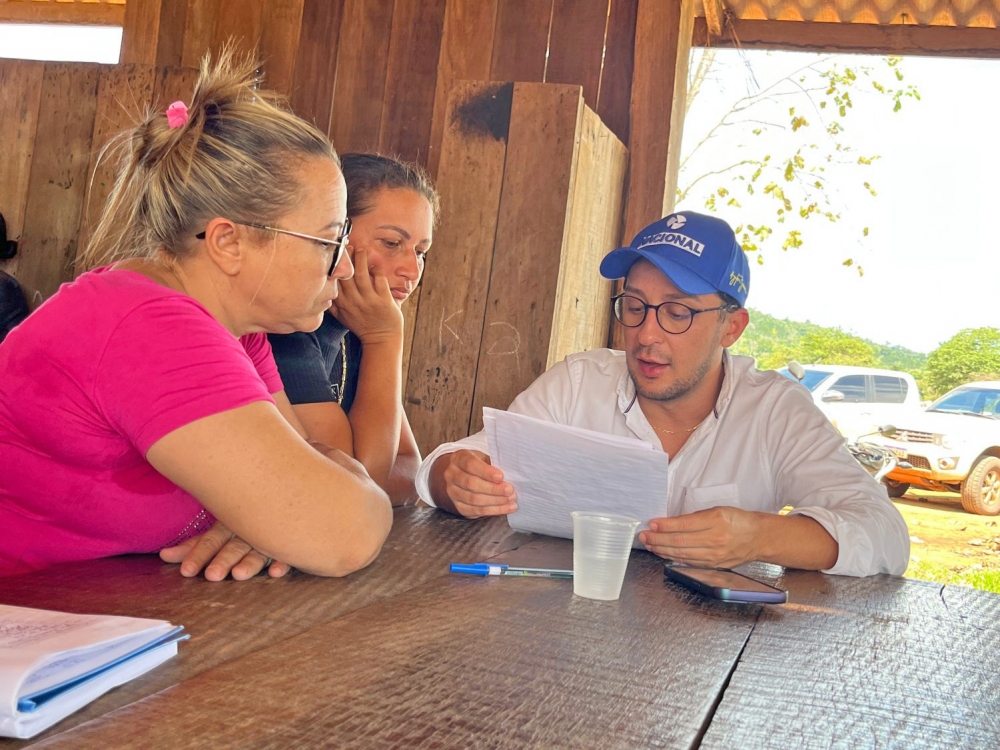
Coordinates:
405	655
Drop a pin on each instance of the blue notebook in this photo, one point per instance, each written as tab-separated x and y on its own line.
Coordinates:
52	663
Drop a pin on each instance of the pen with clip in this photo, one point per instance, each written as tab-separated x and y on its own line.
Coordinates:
499	569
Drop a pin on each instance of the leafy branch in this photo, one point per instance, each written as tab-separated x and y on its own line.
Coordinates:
795	181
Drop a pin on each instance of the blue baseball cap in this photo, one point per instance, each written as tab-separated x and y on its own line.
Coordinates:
698	253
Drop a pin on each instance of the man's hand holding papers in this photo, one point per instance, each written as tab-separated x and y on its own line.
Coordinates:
560	468
465	483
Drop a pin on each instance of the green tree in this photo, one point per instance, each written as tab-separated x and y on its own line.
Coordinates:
774	341
831	346
972	354
799	163
776	358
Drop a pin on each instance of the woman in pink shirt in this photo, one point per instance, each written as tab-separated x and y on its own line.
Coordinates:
140	405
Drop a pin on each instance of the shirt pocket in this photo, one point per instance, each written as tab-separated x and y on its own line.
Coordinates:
703	498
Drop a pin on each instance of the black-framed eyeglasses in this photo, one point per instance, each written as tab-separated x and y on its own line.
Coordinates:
673	317
338	245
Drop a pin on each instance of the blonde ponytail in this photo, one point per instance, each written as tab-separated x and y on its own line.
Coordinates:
236	156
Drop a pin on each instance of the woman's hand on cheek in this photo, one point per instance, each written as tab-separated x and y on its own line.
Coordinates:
365	304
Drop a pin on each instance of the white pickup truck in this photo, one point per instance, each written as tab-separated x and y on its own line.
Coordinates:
953	446
858	400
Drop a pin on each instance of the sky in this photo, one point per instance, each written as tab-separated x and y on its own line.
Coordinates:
929	257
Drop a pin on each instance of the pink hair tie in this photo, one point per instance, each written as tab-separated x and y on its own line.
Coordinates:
177	114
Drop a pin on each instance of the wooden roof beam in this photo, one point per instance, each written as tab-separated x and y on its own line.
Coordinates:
897	39
86	14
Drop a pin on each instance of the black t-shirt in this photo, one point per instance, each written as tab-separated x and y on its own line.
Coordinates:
312	366
13	304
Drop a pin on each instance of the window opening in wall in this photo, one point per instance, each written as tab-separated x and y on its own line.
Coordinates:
60	42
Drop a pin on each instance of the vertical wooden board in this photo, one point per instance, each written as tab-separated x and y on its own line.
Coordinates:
582	306
545	122
58	176
466	51
410	308
124	96
20	92
662	47
199	30
521	40
678	104
411	79
659	82
316	61
140	32
173	84
239	23
449	325
170	39
616	76
361	68
280	27
576	45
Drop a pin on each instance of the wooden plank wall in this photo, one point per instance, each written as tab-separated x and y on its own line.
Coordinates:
55	119
374	74
20	95
389	64
54	176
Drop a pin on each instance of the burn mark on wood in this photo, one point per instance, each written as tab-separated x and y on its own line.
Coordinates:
486	113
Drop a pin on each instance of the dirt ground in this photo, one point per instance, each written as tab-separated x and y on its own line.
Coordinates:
942	534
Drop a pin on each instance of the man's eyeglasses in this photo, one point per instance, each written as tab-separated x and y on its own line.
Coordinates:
673	317
338	245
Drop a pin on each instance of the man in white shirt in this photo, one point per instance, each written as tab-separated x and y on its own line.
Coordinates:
742	443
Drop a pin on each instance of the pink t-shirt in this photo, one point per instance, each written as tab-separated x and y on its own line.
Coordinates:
88	383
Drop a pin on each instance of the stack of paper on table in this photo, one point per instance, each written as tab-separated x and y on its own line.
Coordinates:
52	664
557	469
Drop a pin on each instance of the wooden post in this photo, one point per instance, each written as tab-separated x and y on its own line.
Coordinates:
659	95
446	342
531	184
659	92
545	122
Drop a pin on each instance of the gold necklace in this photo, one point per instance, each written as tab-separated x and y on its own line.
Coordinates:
343	370
677	432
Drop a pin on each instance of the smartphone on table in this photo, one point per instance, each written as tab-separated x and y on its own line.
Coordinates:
725	584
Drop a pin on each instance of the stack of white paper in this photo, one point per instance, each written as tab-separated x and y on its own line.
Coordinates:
556	469
52	664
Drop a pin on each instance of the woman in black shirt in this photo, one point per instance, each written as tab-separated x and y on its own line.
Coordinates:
344	379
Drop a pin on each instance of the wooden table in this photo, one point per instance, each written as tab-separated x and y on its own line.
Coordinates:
404	655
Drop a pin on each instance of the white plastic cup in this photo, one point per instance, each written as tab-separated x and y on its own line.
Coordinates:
602	543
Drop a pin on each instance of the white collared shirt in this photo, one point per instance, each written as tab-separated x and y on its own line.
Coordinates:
764	447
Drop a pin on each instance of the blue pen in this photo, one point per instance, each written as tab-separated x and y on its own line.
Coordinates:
499	569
